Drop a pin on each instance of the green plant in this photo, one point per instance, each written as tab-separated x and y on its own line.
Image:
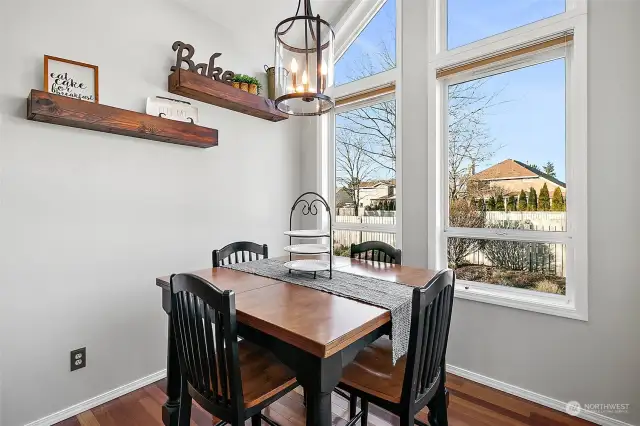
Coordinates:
544	202
511	203
522	201
499	203
243	78
491	204
532	204
558	203
341	250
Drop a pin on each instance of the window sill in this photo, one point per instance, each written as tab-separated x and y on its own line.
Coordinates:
550	304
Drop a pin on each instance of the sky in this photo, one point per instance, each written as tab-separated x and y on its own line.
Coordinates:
528	122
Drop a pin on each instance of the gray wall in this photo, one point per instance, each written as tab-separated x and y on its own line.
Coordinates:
88	220
591	362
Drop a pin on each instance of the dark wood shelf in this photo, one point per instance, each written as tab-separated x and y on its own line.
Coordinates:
204	89
55	109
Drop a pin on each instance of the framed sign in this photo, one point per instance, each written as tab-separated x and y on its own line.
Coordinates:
70	78
172	109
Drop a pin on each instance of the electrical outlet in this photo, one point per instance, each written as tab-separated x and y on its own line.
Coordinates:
78	359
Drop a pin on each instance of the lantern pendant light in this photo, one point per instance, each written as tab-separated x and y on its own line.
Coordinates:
304	63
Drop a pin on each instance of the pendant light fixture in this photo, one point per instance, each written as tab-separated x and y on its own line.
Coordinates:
304	63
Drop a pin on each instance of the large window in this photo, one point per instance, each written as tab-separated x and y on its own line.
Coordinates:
509	126
472	20
373	50
362	148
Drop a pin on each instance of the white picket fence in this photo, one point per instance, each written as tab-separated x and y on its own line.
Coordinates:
553	262
347	237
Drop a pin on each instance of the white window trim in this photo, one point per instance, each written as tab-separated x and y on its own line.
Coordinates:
347	30
574	304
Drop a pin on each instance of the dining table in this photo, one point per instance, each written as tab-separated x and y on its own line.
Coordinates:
313	332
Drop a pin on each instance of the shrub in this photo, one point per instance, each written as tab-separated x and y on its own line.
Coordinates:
341	250
558	201
513	255
522	201
511	204
499	203
491	204
544	202
532	202
461	214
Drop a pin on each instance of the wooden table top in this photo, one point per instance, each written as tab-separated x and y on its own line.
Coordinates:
314	321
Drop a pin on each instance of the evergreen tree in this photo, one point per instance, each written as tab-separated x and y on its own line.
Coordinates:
557	201
491	204
532	202
481	205
550	169
522	201
544	202
511	204
499	203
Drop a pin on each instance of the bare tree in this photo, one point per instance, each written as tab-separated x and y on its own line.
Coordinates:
353	165
470	142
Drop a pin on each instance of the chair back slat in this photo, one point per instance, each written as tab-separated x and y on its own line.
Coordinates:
237	252
376	251
430	321
204	320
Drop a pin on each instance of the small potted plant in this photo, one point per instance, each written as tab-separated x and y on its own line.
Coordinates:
254	85
246	83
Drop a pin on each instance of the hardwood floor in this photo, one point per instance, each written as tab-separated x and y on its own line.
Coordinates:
471	404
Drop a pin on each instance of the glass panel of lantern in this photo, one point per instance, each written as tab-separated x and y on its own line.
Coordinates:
304	60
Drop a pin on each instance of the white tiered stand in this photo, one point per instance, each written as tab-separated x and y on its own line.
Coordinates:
310	265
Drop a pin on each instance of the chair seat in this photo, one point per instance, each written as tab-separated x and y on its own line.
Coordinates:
373	371
263	376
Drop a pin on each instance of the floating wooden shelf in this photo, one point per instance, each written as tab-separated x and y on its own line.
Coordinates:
55	109
204	89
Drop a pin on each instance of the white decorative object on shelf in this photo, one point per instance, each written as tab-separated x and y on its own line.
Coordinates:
307	248
307	233
313	207
308	265
173	109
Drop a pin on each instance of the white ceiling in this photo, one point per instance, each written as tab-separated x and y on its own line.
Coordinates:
261	16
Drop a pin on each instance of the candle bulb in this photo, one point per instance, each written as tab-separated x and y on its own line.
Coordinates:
305	82
323	72
294	72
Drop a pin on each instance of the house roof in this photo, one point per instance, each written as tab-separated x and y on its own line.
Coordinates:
514	169
374	183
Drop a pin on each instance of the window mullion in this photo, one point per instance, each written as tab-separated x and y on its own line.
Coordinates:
509	234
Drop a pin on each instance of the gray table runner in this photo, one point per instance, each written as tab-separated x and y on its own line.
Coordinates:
393	296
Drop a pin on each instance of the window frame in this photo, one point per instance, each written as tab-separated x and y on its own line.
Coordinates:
353	22
574	303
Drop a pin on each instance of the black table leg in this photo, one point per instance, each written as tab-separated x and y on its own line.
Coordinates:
319	409
171	408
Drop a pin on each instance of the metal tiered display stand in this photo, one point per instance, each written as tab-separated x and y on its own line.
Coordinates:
310	202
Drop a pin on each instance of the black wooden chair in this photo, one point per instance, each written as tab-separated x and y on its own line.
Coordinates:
229	253
418	378
376	251
232	380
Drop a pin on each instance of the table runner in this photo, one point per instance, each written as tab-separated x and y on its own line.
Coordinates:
396	297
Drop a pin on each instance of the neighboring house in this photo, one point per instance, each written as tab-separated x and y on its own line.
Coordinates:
512	176
372	193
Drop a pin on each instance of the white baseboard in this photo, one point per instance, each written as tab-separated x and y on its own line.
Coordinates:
98	400
532	396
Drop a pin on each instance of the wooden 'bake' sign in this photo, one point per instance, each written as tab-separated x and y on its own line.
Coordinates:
184	54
